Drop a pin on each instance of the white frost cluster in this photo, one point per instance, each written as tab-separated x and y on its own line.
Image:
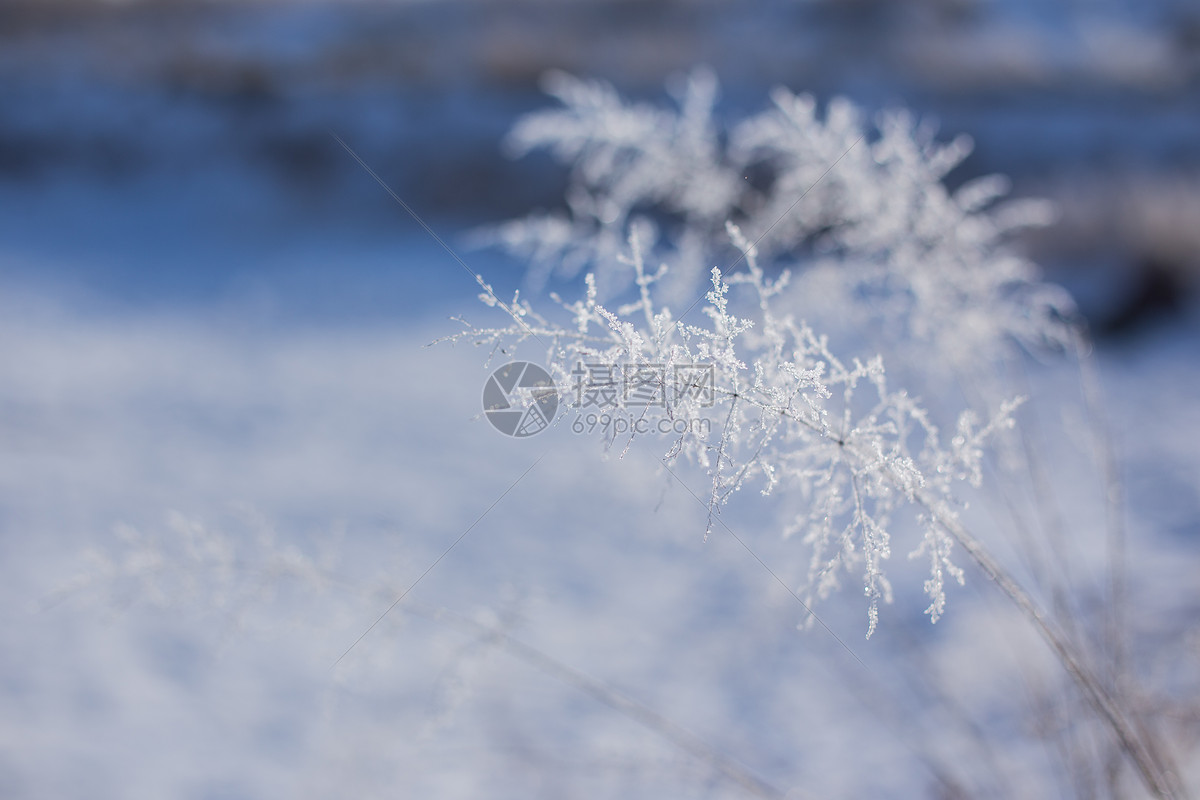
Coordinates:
863	222
858	212
787	411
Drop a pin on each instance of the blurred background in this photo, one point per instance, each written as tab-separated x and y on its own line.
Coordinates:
181	151
225	448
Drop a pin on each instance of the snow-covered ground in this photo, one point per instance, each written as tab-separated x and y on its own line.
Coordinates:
199	519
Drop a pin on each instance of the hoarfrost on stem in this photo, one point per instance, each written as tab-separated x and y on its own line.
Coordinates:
790	413
843	223
859	211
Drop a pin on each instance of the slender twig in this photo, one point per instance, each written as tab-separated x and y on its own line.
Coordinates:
1113	503
1147	754
602	692
1148	758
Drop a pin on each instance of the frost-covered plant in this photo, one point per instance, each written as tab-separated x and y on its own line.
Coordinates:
856	256
788	412
861	214
852	229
